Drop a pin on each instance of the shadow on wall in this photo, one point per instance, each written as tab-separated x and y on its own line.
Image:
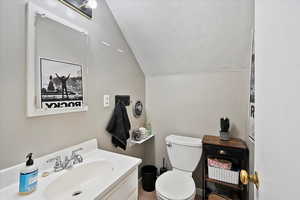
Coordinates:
150	152
234	131
198	175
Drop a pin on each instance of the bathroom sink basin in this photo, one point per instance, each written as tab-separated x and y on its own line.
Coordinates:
76	182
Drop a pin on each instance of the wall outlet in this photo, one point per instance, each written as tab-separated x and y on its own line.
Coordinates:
106	101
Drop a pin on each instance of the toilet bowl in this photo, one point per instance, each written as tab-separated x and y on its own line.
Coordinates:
173	185
184	154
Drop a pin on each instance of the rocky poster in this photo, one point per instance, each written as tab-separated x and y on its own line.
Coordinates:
61	84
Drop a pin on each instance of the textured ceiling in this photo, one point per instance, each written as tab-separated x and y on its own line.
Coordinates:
176	36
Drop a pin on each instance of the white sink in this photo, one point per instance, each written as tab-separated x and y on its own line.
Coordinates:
75	183
101	175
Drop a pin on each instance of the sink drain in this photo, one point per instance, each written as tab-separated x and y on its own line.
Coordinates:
76	193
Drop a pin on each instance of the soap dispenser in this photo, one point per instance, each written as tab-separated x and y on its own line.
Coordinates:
28	177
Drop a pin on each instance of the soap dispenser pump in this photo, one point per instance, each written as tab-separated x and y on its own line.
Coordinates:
28	177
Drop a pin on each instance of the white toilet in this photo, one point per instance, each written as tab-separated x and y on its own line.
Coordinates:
184	154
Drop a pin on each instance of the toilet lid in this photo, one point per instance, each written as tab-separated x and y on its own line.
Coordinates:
175	186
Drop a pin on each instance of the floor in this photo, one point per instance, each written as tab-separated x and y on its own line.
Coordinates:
143	195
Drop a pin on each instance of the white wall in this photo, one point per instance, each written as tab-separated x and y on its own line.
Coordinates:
277	98
188	36
192	105
110	72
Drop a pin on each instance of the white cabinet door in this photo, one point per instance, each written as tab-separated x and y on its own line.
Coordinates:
126	189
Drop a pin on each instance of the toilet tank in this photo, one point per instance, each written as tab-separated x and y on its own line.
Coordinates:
184	152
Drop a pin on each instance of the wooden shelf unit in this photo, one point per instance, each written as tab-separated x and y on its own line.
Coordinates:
234	150
236	187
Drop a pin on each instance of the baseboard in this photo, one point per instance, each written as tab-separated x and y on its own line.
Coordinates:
199	192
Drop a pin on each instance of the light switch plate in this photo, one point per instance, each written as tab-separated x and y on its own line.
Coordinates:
106	101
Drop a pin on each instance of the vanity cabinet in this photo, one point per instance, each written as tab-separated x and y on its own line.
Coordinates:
235	151
126	189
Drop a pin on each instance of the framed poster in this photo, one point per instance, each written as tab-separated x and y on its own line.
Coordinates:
56	64
80	7
252	100
252	95
61	84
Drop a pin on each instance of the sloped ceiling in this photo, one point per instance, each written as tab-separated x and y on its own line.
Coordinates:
177	36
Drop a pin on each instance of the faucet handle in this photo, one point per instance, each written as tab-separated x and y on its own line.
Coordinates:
77	157
76	150
57	164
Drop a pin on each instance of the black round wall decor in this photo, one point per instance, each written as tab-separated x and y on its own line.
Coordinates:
138	109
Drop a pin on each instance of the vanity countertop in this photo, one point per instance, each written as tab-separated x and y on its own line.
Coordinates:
122	167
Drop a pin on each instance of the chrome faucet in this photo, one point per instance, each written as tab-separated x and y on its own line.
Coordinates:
67	163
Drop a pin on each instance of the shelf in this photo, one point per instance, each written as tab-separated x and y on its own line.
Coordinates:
141	141
236	187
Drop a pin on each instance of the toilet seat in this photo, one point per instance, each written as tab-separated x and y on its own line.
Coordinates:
175	186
